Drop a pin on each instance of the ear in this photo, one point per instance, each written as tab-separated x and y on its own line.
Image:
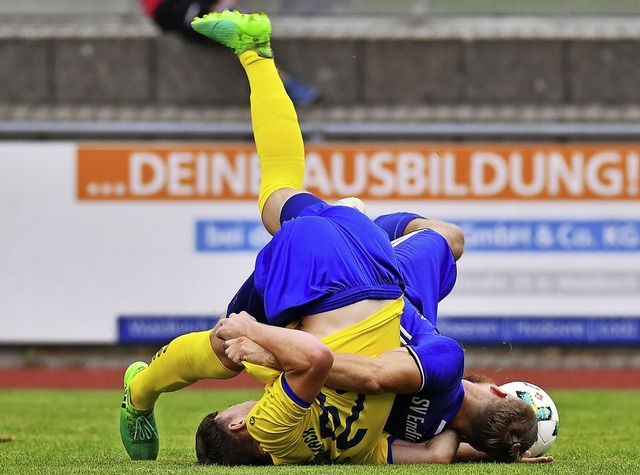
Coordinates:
498	391
235	426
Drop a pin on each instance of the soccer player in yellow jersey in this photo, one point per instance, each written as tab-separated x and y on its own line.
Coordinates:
297	420
326	269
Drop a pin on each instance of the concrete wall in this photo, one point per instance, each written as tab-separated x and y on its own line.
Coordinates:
152	69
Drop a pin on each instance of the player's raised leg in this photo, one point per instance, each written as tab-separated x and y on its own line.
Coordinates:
192	357
275	122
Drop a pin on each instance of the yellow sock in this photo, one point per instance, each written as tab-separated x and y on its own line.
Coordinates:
185	360
275	128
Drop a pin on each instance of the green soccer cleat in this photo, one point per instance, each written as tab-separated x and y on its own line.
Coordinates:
138	429
238	31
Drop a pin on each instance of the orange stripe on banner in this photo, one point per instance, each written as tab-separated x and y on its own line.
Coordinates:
375	171
167	173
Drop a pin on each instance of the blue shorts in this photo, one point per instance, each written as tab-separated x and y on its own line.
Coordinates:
326	257
428	269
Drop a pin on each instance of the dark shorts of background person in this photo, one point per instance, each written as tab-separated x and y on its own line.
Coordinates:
177	15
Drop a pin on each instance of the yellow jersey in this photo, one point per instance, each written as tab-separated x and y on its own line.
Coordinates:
339	426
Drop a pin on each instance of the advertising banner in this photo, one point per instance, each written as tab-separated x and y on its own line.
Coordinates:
138	242
369	171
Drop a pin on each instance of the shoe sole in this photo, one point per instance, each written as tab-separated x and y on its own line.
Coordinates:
233	29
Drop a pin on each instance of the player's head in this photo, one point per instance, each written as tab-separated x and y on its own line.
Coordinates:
503	427
478	378
223	439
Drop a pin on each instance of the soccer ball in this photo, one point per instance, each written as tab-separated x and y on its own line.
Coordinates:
544	408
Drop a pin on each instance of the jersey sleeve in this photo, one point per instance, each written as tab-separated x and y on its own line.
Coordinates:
276	423
262	373
439	358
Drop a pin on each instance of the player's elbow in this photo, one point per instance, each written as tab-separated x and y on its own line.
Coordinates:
452	233
455	238
443	447
320	359
443	457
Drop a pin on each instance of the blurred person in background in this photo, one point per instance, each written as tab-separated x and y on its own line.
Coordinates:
176	16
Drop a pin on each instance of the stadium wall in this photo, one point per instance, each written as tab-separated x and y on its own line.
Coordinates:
354	61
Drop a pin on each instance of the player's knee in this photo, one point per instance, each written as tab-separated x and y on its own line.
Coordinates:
456	240
271	206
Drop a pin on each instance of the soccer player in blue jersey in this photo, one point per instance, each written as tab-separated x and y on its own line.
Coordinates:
434	399
434	403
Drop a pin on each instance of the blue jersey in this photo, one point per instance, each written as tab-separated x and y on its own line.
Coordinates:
419	416
428	267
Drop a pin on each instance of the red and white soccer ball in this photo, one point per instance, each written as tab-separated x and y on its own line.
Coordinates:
544	408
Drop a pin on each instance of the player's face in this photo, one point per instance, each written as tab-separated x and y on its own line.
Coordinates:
237	412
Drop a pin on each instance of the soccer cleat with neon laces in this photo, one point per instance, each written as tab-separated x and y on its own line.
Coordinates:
239	31
138	429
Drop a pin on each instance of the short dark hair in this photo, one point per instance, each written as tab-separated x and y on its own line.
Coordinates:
478	378
505	429
217	445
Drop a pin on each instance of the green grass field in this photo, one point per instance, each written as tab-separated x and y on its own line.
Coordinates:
76	432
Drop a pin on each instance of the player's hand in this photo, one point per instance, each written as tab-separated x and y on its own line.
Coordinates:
242	349
527	458
236	325
352	202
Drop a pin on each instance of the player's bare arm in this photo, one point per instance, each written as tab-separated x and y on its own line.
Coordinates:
440	449
392	372
249	351
218	347
538	459
305	360
451	232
